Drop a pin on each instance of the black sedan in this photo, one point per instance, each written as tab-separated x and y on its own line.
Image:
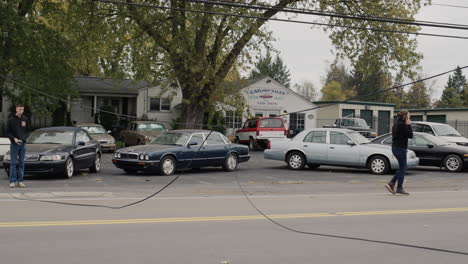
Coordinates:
59	150
433	151
182	149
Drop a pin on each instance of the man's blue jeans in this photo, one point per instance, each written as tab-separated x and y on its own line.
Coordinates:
17	153
400	155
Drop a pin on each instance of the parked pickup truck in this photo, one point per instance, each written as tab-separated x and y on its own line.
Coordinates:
141	132
356	124
257	132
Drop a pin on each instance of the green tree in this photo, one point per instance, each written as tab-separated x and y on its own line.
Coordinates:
35	54
418	96
450	98
338	73
307	90
275	69
457	81
199	49
333	91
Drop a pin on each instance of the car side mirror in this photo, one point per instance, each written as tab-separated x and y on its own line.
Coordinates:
334	125
81	143
192	143
430	145
108	131
350	142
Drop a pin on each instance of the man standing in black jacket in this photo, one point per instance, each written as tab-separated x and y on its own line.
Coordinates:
18	132
401	131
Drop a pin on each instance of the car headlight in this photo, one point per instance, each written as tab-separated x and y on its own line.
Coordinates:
117	155
7	157
111	141
142	157
146	157
50	157
411	155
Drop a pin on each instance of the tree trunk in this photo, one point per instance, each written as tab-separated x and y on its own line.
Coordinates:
192	116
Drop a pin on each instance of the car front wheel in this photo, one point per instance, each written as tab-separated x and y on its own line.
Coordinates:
379	165
453	163
69	168
168	166
296	161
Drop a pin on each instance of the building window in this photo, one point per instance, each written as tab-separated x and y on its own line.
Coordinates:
160	104
233	120
296	122
258	114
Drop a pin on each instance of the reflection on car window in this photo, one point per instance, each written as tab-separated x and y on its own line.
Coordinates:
338	138
198	138
388	141
95	129
419	141
51	137
150	127
81	136
171	139
271	123
428	129
215	139
316	137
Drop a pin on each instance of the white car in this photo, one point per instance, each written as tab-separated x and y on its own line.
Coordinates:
443	131
4	148
335	147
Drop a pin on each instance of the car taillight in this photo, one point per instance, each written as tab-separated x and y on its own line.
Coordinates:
268	146
258	133
285	132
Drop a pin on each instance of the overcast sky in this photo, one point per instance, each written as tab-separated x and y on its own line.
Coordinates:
308	51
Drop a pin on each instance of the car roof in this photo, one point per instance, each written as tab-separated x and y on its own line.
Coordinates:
191	131
87	124
331	129
266	117
427	123
147	122
60	128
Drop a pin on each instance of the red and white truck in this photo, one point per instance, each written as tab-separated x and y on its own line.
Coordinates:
257	132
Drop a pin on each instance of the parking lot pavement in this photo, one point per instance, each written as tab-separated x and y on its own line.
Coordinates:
258	176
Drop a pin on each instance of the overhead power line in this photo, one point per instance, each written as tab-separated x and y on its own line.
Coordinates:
446	5
281	20
332	14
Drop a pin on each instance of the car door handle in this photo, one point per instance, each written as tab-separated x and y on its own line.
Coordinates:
332	147
305	146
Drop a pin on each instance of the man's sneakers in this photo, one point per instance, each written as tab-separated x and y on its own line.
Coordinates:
390	187
401	191
19	184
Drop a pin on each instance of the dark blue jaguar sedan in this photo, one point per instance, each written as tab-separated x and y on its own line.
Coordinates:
182	149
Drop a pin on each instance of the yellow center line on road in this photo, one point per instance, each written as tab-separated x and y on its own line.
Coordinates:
226	218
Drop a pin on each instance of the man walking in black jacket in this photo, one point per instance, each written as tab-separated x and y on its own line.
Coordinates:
18	132
401	131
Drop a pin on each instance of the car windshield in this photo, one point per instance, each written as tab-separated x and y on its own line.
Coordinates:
446	130
358	138
51	137
171	139
354	123
94	129
150	127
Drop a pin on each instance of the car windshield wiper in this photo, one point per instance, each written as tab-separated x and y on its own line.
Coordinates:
47	143
452	135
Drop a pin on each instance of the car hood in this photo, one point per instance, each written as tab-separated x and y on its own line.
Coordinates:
148	148
455	139
99	137
47	148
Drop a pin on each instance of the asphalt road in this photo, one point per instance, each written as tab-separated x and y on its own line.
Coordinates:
204	218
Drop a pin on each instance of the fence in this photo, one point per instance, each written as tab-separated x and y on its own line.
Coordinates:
460	125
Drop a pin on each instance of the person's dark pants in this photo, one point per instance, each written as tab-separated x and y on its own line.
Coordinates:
400	154
17	153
